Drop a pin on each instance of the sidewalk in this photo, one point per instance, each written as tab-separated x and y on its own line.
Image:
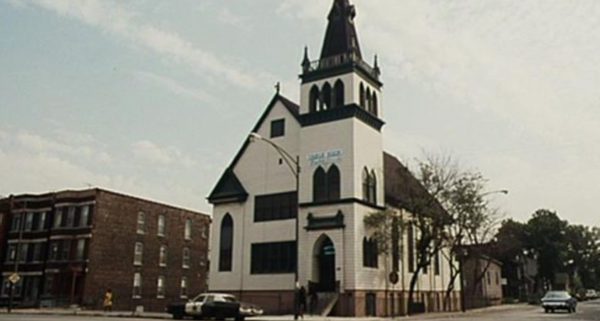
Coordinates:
91	313
159	315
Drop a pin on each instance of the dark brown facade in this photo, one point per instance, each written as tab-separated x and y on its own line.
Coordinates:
70	247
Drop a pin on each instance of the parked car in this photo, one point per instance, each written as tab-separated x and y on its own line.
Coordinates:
591	294
559	300
213	305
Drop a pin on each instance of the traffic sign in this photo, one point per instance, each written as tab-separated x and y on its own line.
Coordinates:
14	278
394	277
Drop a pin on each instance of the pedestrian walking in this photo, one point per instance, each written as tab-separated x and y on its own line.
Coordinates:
108	300
302	301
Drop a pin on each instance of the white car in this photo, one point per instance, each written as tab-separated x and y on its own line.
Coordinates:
214	305
591	294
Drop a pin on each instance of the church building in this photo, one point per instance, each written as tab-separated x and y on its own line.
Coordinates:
289	210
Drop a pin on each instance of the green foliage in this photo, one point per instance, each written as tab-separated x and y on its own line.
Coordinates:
381	225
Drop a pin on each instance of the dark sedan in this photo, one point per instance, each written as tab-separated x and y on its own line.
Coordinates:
559	300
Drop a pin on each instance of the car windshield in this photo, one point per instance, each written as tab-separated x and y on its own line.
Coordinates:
556	295
199	298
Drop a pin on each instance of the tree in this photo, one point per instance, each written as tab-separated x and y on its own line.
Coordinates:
384	227
546	235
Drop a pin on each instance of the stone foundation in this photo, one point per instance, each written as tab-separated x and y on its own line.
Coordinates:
354	303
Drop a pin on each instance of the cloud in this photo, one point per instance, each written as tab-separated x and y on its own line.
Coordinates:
233	19
150	152
173	86
114	18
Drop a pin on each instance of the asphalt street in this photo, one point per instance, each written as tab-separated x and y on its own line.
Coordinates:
586	311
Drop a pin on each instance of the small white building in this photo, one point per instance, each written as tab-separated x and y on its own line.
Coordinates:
266	223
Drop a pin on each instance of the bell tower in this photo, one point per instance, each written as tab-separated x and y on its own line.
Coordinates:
341	155
340	76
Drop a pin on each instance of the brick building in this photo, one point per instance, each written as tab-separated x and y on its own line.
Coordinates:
69	247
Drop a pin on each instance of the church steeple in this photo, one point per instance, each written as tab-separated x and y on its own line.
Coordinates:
341	37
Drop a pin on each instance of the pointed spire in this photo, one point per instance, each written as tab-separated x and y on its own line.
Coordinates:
306	60
376	66
341	36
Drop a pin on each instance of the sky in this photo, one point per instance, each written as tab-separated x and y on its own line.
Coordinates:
154	98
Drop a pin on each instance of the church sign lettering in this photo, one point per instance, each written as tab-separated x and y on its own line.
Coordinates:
322	158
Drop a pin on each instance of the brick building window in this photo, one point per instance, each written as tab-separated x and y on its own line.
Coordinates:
70	222
65	250
186	258
161	225
187	233
138	253
40	221
84	216
184	287
16	223
36	255
23	250
11	253
137	285
160	287
203	233
141	223
58	218
162	256
53	251
80	252
28	221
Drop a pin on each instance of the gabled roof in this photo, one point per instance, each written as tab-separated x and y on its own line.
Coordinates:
341	36
229	188
403	189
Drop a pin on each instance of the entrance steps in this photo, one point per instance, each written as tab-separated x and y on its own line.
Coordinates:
326	302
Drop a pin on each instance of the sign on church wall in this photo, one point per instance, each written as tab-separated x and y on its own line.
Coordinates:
327	157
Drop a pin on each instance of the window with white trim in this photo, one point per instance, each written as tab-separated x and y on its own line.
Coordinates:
184	287
141	223
138	253
162	256
161	225
186	258
137	285
187	233
160	287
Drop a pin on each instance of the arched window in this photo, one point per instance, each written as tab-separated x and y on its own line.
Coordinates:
373	188
313	99
333	183
365	184
319	185
326	92
375	108
362	95
226	243
338	94
368	102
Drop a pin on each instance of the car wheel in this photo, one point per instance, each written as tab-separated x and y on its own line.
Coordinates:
545	310
240	318
177	316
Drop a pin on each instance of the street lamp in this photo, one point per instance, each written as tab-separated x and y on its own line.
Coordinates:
500	191
294	165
